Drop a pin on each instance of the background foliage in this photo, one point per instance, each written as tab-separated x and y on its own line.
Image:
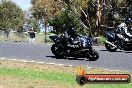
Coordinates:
65	13
11	16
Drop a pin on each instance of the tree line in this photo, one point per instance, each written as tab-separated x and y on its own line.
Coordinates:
87	16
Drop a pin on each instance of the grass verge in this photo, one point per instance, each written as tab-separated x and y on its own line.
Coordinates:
14	37
16	74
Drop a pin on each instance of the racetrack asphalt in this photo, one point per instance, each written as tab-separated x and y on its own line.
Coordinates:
118	60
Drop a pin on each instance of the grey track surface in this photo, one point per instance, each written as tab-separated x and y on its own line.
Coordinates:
41	52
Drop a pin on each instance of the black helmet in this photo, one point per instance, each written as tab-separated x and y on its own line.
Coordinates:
128	20
72	32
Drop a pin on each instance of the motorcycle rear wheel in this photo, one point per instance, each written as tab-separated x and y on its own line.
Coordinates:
59	53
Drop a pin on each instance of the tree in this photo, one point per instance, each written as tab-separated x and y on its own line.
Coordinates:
62	12
46	9
11	16
70	15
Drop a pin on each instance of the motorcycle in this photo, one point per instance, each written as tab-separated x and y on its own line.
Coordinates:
85	50
114	41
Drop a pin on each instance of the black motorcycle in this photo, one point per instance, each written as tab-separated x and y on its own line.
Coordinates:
85	50
115	42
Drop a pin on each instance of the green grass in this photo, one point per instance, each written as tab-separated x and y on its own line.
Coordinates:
38	75
102	40
59	77
40	37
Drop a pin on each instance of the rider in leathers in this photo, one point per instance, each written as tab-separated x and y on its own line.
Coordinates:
125	29
72	38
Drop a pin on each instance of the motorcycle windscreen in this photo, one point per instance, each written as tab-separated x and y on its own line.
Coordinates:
54	38
110	35
86	42
89	41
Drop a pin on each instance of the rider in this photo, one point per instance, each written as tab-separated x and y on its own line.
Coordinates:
72	38
125	28
128	30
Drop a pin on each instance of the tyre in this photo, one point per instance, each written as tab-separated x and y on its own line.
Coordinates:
110	48
93	55
58	52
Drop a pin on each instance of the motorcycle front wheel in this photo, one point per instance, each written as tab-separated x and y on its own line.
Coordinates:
93	55
58	52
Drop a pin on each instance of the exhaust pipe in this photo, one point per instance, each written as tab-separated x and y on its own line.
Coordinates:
110	43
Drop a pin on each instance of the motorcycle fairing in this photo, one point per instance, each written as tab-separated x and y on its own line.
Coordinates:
54	38
86	42
111	36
